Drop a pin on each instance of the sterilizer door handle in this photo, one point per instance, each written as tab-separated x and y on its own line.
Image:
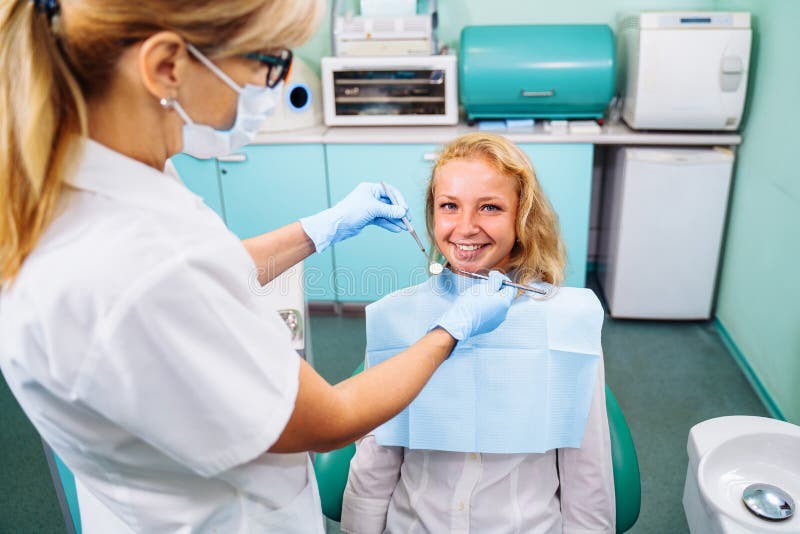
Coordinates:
551	92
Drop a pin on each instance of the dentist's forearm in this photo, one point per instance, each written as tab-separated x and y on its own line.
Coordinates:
381	392
327	417
276	251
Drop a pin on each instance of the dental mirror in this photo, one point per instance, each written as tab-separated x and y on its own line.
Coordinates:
435	268
768	501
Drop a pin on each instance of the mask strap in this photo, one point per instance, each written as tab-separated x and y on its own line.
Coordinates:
216	70
171	103
181	112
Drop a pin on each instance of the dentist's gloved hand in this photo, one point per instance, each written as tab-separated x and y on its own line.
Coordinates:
480	309
366	204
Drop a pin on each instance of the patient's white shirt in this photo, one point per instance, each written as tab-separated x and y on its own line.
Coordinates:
399	490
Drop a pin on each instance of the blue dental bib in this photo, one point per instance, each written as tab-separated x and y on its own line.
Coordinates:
525	387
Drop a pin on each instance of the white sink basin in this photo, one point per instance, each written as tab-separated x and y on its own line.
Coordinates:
767	457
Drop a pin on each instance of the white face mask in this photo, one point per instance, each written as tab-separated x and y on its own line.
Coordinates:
254	104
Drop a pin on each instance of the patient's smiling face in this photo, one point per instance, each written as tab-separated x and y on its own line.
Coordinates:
474	214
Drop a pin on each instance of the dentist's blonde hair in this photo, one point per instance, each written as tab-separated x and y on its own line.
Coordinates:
51	67
539	253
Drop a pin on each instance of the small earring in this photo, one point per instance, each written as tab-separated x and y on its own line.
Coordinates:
167	103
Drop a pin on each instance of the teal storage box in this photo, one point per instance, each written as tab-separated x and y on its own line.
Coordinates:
529	71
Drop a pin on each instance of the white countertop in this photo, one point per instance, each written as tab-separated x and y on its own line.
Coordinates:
610	134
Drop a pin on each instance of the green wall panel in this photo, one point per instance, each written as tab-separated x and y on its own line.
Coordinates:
758	300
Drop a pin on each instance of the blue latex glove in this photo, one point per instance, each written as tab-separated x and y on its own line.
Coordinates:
480	309
366	204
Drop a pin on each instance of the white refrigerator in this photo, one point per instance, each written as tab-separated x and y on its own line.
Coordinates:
663	215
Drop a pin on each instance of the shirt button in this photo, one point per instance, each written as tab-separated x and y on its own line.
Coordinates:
473	456
461	506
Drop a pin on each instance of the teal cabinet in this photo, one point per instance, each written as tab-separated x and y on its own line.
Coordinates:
377	262
565	173
265	187
200	176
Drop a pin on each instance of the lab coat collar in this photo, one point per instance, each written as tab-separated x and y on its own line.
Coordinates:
114	175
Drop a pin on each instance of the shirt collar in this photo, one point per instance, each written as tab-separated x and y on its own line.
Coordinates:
114	175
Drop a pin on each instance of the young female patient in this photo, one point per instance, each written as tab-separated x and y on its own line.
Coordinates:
486	210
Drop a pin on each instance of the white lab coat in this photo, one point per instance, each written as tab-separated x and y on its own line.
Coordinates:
133	342
398	490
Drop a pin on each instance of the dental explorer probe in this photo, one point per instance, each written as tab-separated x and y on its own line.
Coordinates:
524	287
405	219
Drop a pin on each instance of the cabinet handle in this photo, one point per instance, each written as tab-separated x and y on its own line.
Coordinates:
238	157
431	156
551	92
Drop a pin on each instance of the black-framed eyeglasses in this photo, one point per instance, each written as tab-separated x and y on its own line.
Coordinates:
279	65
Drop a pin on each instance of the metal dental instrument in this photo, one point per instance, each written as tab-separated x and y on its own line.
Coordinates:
524	287
405	219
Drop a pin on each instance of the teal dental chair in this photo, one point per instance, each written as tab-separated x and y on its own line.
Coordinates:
64	483
332	469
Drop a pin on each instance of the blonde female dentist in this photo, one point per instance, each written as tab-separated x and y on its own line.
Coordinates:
127	330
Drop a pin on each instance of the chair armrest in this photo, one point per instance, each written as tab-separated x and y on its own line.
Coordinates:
627	481
332	469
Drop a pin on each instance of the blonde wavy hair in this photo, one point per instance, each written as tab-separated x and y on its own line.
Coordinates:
52	66
539	253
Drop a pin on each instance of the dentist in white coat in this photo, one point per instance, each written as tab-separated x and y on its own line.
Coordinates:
127	330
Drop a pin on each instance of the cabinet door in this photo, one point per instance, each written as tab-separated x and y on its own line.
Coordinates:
377	262
265	187
200	176
565	172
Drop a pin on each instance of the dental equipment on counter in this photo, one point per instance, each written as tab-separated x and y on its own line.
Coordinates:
684	70
547	71
300	102
390	91
387	68
384	28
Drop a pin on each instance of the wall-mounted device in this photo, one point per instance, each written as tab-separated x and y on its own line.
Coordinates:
369	91
299	102
684	70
